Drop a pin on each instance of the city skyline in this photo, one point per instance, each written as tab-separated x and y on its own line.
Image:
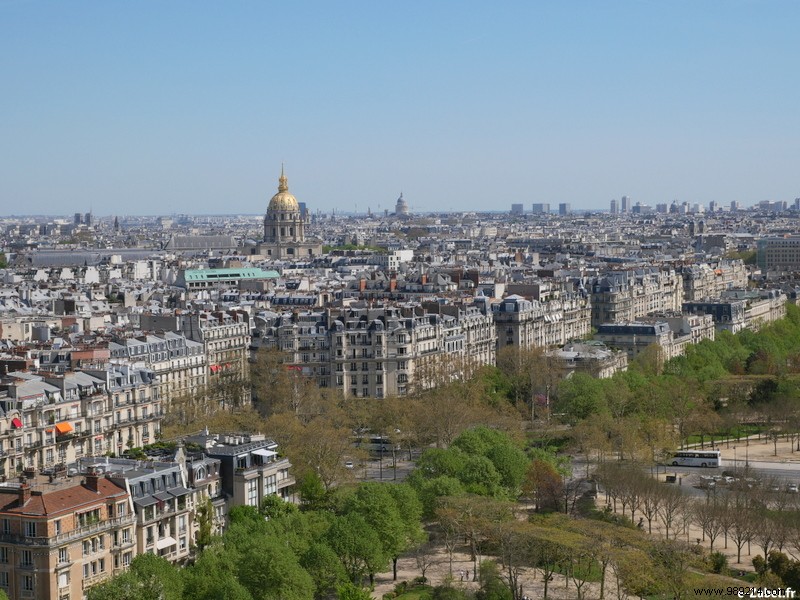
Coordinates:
189	108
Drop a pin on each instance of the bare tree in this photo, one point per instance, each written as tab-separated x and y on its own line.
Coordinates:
740	520
706	514
650	501
670	507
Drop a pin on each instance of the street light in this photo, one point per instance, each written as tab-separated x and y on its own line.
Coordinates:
734	457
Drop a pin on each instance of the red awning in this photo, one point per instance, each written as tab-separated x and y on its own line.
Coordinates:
16	423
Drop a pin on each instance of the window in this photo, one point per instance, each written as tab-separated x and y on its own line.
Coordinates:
4	579
252	492
30	528
6	526
63	555
27	583
3	555
26	558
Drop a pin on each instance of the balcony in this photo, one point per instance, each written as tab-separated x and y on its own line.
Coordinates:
69	536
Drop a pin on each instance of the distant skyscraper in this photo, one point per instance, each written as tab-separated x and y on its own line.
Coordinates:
517	209
662	208
540	208
625	204
614	208
78	218
564	209
87	218
712	206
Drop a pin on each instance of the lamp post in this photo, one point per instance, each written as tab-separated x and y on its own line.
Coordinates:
734	457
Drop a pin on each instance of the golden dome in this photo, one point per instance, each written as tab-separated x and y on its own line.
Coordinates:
283	200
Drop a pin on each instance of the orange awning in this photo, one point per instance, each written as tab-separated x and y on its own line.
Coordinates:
63	428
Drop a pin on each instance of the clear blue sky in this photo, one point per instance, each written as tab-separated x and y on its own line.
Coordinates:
191	106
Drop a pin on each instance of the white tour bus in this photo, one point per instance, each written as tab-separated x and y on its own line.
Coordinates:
696	458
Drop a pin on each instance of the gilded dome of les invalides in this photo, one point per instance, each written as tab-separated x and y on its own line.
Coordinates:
283	200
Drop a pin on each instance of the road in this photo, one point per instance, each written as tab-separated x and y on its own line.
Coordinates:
375	470
689	477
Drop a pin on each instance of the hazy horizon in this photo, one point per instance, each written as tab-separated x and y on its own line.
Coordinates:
188	107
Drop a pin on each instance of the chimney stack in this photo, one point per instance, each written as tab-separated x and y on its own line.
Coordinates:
92	479
24	493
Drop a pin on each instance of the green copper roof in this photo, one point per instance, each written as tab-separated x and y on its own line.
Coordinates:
217	274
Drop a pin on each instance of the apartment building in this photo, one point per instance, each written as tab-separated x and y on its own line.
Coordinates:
672	333
249	467
63	536
59	419
625	296
741	309
225	336
163	504
705	280
179	363
376	352
779	253
531	323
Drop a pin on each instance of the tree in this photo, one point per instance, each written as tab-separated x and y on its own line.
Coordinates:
707	515
313	495
374	503
670	507
324	567
543	484
205	521
492	585
473	517
358	546
149	576
265	565
348	591
650	501
273	506
672	561
213	577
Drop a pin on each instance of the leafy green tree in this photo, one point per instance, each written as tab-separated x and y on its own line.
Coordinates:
376	505
580	397
213	576
265	566
157	576
205	520
430	490
275	507
313	495
121	587
348	591
492	585
149	576
325	568
480	477
358	546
